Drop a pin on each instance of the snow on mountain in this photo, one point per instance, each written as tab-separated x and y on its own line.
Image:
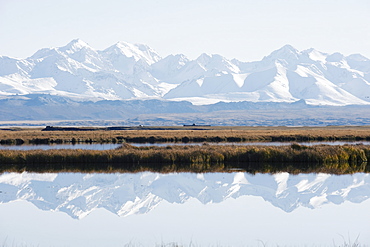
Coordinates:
169	67
218	84
217	63
208	74
286	75
10	66
359	62
127	57
314	55
287	55
134	63
136	71
125	194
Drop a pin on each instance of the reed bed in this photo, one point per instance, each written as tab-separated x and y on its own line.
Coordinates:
205	158
186	134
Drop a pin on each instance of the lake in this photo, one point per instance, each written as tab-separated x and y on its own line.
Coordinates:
108	146
189	209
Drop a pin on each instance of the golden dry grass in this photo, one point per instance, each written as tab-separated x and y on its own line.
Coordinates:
205	158
187	134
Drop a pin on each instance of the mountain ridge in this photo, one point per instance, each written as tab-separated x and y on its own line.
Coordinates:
135	71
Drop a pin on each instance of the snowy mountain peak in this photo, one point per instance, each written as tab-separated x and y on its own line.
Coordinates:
358	58
288	48
75	46
315	55
135	51
216	63
285	52
335	57
291	49
169	67
180	59
359	62
203	60
125	71
45	52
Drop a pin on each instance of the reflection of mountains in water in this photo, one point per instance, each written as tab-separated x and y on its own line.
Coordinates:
126	194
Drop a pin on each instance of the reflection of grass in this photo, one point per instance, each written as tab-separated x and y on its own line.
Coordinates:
206	158
193	245
185	134
348	243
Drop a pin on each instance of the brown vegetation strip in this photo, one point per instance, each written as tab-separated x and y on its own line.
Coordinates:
206	158
179	134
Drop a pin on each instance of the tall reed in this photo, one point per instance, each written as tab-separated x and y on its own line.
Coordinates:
206	158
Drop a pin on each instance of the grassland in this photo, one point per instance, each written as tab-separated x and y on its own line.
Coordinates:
187	134
293	158
204	158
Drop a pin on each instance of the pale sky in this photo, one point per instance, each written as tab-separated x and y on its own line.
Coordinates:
244	29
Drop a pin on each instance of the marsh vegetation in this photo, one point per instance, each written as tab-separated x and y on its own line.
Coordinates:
294	158
17	136
204	158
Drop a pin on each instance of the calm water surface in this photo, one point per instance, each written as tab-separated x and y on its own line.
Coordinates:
212	209
108	146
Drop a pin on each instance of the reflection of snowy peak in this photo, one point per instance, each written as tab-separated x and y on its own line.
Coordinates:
127	71
127	194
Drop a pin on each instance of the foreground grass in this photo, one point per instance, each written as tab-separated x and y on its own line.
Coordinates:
188	134
206	158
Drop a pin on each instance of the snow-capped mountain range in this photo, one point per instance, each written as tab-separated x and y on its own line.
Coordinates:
134	71
126	194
